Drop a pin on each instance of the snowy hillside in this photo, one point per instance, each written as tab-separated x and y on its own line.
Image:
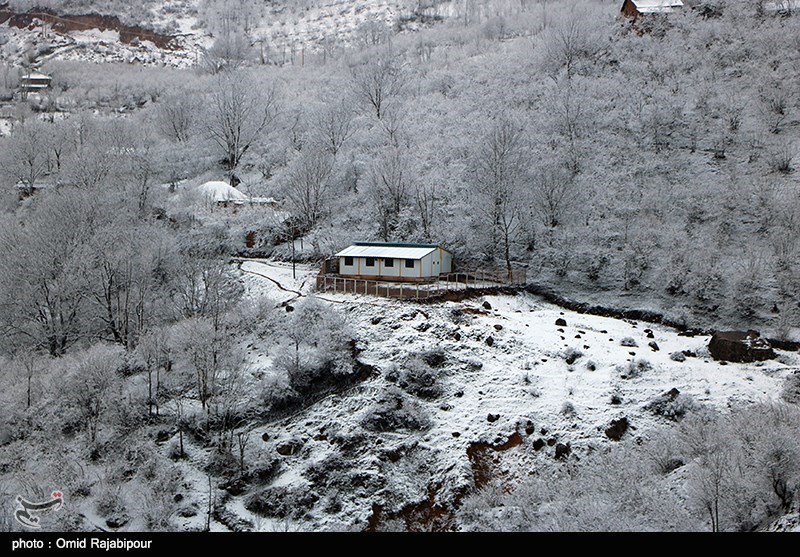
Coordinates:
180	33
514	395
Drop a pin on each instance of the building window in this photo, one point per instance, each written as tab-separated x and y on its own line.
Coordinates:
369	261
409	263
388	262
348	261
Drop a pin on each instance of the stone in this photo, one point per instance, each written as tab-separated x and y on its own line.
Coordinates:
653	346
677	357
562	451
289	447
617	428
487	305
489	341
118	520
740	346
561	322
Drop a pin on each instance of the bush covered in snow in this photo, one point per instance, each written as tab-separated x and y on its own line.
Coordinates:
634	368
672	405
571	355
396	411
281	501
416	377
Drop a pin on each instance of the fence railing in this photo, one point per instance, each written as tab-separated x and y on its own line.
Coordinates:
434	288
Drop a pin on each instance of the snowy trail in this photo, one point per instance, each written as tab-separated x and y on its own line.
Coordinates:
272	280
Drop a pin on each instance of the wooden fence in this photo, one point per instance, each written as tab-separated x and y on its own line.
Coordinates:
432	289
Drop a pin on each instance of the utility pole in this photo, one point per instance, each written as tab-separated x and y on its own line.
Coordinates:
294	270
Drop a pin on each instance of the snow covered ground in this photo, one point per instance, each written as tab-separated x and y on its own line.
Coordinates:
517	383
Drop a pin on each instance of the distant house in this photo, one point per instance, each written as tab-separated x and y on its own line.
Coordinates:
782	7
33	82
221	193
393	261
635	8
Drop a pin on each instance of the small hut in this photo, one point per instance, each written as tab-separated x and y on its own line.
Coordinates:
635	8
394	261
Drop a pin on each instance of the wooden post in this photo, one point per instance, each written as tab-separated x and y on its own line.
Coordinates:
401	290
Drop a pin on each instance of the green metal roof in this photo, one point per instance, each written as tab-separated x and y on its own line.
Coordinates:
396	245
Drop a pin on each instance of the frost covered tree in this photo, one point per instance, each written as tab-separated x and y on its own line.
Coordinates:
390	184
334	125
309	185
42	272
25	156
497	175
378	81
239	111
177	115
318	345
94	385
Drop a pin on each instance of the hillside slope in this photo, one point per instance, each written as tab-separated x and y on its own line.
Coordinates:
490	407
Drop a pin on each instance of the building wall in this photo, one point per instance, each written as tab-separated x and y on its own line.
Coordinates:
629	9
447	262
436	262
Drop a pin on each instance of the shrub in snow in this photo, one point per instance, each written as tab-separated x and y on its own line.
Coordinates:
571	354
222	463
109	503
329	471
628	341
318	352
417	378
568	409
276	394
435	358
591	365
282	501
634	368
791	388
672	405
677	357
394	411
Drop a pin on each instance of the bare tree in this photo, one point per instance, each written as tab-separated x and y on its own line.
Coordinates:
497	173
92	385
308	186
569	41
240	111
552	195
25	157
42	272
176	115
426	204
334	125
390	184
377	81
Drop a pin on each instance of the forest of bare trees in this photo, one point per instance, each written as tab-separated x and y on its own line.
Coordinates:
649	165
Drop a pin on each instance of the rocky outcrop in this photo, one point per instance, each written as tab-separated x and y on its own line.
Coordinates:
740	346
66	23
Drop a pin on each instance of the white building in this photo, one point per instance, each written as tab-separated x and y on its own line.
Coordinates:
388	261
635	8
